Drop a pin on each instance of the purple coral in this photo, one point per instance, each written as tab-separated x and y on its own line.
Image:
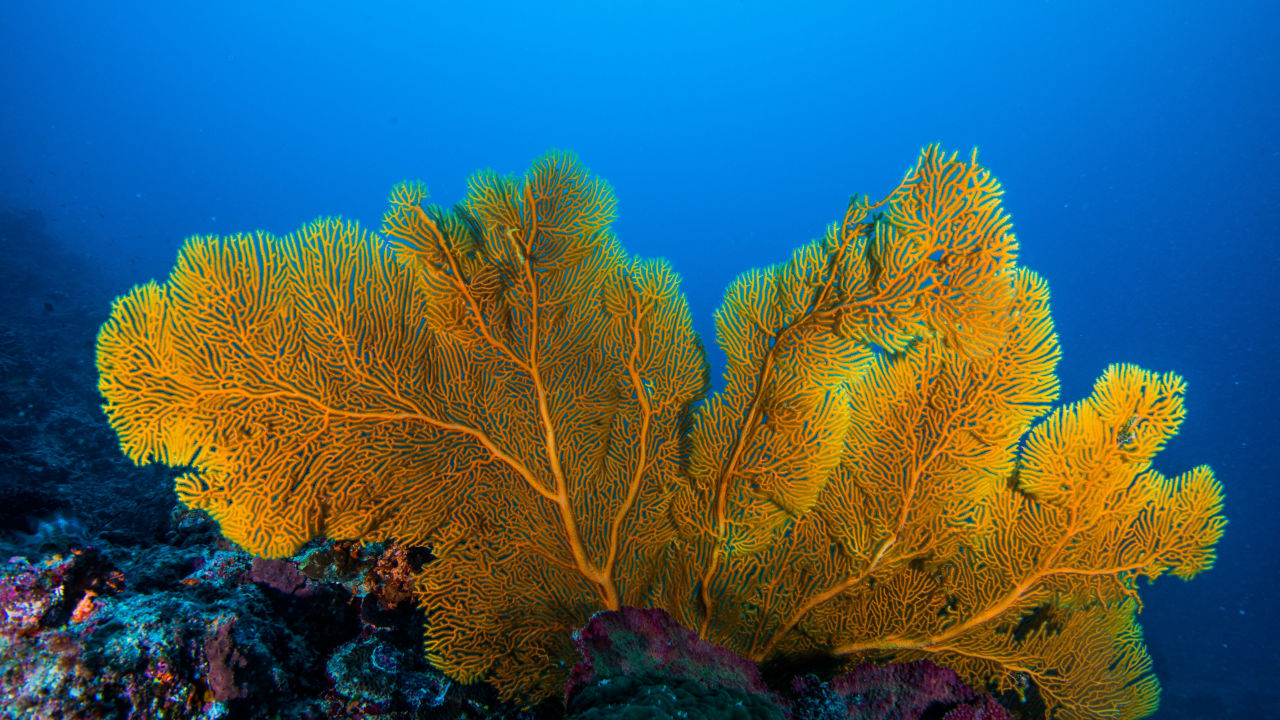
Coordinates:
641	663
637	642
899	691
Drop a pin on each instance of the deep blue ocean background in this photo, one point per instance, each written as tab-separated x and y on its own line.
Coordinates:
1138	144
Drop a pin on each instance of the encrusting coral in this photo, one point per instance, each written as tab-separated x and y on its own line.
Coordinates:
882	475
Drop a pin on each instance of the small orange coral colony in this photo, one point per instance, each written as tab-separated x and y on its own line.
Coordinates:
883	475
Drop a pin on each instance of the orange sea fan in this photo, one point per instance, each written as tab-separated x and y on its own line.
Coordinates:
883	475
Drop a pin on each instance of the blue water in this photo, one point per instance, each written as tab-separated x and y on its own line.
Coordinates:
1139	145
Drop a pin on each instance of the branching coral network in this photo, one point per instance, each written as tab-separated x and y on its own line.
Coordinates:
884	475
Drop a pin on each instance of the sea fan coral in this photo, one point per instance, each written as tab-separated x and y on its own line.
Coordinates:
883	473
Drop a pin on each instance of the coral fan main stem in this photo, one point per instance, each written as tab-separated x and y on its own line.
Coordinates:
559	492
1044	569
642	449
850	232
604	583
